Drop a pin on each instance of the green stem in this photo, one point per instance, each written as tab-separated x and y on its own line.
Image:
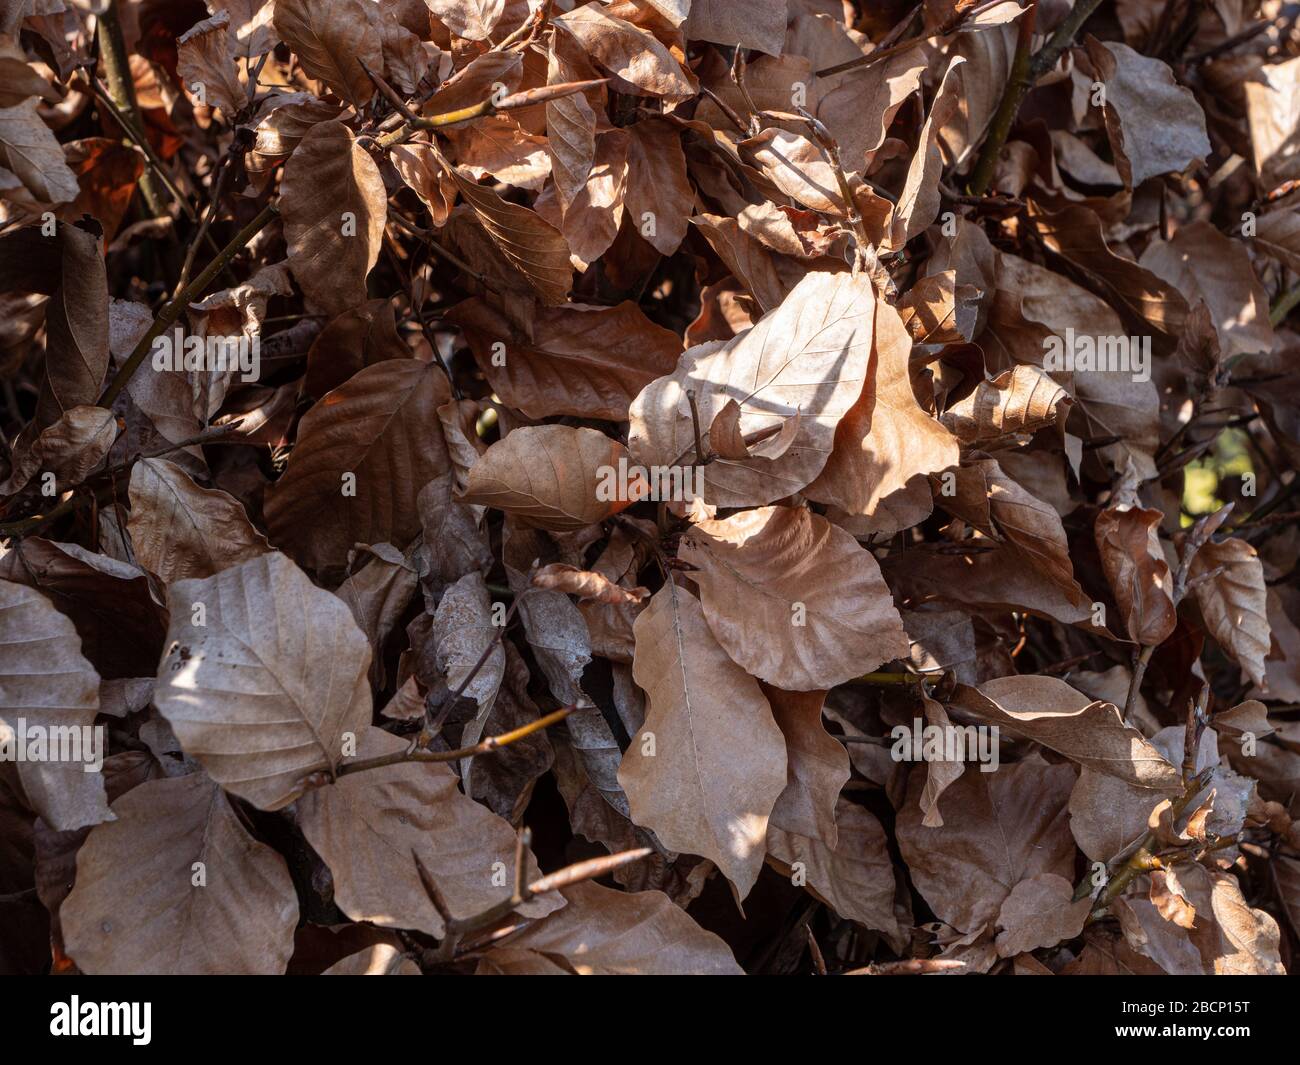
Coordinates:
1142	860
26	526
1022	80
121	86
1283	306
1019	82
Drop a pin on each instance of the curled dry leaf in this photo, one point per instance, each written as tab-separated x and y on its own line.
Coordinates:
1229	584
586	585
418	165
635	57
19	80
284	122
566	493
329	37
1137	572
1050	712
604	933
807	359
658	186
918	203
68	266
378	595
180	530
941	771
206	65
1040	912
855	877
794	600
580	360
471	19
999	829
885	439
82	581
995	504
30	152
335	205
66	450
460	421
760	25
383	959
468	650
250	25
1250	716
454	543
1020	400
817	767
1205	265
531	245
354	340
1155	125
570	122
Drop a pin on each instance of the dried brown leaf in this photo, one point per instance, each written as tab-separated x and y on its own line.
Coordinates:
264	678
794	600
148	915
687	776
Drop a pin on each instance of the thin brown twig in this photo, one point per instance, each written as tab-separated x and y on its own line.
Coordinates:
428	236
389	93
888	52
1022	79
487	746
819	962
154	161
1135	682
172	312
416	311
529	31
865	257
209	215
1248	34
515	101
29	525
458	929
909	967
1141	859
737	74
701	456
434	725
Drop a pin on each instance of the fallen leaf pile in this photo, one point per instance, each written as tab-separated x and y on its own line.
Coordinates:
657	486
